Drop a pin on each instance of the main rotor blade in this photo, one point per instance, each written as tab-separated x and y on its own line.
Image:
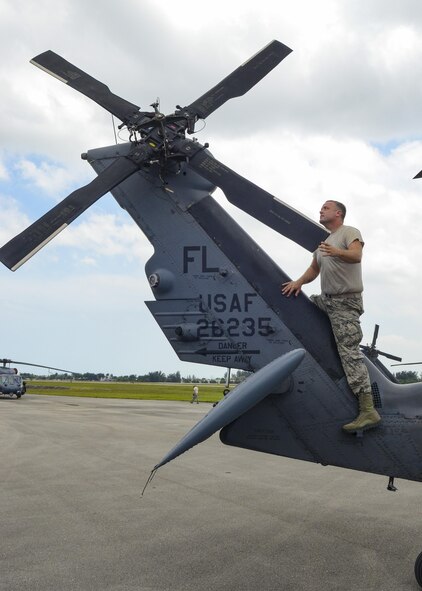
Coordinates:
37	365
54	64
419	175
258	203
241	80
411	363
18	250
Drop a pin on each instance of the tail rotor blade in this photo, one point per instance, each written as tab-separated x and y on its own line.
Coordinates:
258	203
27	243
389	356
54	64
374	338
241	80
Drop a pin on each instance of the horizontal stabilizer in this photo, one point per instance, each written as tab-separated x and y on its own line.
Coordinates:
245	396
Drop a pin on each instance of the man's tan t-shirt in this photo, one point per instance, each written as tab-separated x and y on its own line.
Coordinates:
337	276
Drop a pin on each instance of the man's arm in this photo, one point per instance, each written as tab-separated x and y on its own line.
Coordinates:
353	254
295	287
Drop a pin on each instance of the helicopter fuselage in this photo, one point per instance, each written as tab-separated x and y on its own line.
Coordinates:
217	300
11	383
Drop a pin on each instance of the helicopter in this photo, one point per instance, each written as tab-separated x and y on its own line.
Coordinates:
216	293
11	382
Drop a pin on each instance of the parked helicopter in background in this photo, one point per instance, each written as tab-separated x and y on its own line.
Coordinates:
11	382
217	293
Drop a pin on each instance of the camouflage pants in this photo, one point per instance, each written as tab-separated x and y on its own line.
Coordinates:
344	314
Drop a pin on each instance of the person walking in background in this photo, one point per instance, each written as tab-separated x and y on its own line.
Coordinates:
195	395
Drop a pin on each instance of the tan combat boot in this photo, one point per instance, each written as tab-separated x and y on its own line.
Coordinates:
368	417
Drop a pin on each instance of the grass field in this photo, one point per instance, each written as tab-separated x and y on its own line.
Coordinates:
137	391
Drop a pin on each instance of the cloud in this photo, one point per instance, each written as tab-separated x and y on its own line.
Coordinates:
12	219
106	235
50	178
3	172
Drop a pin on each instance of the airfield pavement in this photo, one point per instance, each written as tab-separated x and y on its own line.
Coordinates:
217	518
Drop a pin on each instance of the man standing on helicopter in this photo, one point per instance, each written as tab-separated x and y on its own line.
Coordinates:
338	261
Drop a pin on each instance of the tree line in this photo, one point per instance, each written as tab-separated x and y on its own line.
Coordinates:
152	376
404	377
408	377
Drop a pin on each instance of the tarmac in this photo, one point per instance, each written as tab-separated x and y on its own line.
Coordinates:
217	518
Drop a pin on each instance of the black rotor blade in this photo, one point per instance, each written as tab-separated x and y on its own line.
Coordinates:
411	363
394	357
241	80
54	64
374	338
37	365
419	175
18	250
258	203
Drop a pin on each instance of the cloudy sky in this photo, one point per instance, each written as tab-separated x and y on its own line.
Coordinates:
341	117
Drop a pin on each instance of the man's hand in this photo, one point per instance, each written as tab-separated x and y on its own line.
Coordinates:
328	250
353	254
290	287
295	287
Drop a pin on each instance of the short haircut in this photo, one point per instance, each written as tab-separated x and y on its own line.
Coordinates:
340	206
